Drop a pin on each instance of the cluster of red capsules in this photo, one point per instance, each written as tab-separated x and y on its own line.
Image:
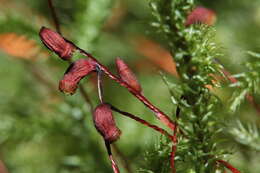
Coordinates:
102	115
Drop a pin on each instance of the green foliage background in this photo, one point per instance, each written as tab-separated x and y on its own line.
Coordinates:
42	130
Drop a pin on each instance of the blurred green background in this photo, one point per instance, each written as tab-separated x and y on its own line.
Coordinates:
43	130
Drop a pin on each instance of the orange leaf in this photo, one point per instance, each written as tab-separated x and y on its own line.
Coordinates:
156	54
19	46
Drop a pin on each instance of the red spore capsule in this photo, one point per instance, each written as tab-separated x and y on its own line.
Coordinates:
76	71
56	43
201	15
105	123
127	75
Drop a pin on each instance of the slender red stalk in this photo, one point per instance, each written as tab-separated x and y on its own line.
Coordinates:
159	114
114	166
228	166
123	158
158	129
113	162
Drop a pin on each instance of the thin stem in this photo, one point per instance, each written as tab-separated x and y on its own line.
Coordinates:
154	127
54	16
228	166
124	160
99	84
113	163
159	114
